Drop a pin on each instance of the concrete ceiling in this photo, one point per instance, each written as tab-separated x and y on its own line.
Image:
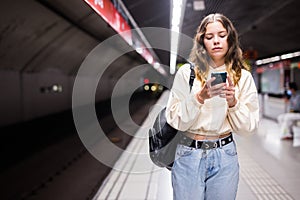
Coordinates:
39	34
270	27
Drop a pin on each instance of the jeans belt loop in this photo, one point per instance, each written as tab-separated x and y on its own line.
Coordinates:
220	143
196	144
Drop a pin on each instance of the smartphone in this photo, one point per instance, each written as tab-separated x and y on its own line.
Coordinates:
220	78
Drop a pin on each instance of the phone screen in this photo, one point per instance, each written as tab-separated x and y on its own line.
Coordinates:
220	78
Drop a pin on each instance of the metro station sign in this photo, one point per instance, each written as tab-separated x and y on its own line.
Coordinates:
110	14
107	10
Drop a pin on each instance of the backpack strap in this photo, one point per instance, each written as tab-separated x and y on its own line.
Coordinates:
192	76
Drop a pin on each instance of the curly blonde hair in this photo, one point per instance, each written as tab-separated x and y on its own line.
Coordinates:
233	59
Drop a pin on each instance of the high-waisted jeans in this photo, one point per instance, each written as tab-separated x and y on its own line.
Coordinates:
205	174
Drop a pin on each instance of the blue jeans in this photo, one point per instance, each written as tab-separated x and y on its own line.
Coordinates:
205	174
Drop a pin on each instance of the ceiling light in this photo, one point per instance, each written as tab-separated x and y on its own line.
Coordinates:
199	5
290	55
156	65
277	58
177	18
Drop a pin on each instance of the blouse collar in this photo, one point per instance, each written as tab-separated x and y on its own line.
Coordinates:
218	69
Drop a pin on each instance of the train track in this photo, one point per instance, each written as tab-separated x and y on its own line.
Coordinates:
64	169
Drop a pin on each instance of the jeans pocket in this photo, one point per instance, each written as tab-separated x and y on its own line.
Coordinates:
182	151
230	149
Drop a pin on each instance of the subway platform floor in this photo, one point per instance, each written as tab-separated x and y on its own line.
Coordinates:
269	167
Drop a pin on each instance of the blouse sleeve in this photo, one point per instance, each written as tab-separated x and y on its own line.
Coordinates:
244	116
182	107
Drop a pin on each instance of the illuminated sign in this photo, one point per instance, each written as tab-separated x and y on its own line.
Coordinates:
109	13
107	10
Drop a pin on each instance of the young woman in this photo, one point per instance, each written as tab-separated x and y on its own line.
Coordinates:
206	164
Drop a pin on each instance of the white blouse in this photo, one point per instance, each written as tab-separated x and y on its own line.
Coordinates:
214	117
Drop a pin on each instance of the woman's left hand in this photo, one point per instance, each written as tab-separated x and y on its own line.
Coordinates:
230	93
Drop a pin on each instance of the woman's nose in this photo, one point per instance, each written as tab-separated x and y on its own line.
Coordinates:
216	39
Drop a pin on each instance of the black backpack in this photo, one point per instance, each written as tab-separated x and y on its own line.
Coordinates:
163	138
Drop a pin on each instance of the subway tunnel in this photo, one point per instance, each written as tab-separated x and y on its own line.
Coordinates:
80	80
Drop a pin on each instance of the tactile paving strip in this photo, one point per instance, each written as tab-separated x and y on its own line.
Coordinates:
260	182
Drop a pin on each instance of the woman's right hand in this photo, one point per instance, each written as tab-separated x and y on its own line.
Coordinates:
208	91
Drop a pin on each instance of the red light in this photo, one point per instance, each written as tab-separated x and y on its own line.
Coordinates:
146	81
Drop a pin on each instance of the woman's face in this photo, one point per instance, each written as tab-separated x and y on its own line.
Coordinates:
215	41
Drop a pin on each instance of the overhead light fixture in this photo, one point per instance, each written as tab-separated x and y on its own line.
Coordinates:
278	58
177	18
156	65
290	55
199	5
